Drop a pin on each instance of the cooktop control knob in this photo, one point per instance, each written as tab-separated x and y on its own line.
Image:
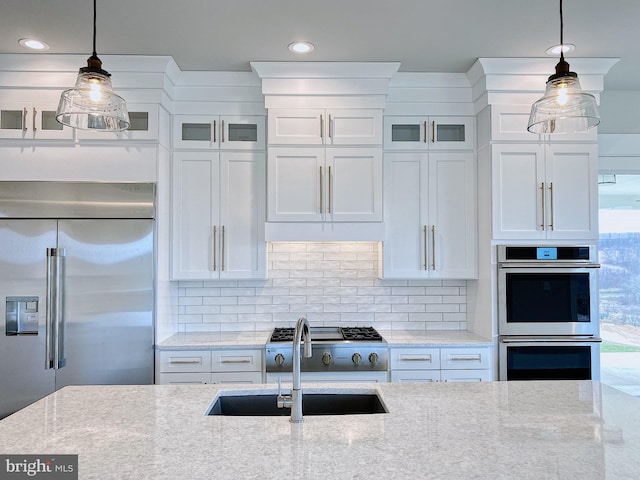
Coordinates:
326	358
373	358
279	359
355	358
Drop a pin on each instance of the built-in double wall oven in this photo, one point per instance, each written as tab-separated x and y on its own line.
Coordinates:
548	321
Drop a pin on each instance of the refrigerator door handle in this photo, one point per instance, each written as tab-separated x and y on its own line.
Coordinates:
55	317
49	315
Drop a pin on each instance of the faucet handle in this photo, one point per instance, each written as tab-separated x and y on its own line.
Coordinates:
283	401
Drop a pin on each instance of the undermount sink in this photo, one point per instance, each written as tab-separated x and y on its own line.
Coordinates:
261	403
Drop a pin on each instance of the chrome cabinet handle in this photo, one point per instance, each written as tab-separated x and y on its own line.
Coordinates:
24	119
330	128
425	131
321	127
222	132
236	361
542	202
551	205
222	253
416	359
466	359
433	132
215	247
215	128
321	199
33	119
424	231
185	362
433	247
329	190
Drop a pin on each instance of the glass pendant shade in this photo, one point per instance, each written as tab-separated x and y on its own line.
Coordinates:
564	108
91	104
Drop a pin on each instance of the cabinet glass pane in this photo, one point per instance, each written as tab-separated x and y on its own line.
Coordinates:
140	121
11	119
196	131
405	133
242	132
450	133
48	121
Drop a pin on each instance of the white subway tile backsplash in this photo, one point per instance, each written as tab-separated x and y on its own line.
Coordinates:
329	283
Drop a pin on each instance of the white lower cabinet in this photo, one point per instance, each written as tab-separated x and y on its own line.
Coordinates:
218	366
445	364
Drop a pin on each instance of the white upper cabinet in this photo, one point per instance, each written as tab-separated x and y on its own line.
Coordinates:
545	191
303	126
225	132
318	184
218	215
144	125
428	133
509	123
430	215
30	121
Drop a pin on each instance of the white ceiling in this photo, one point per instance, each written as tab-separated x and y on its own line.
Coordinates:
424	35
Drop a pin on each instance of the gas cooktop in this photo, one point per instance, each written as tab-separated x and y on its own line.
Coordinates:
330	334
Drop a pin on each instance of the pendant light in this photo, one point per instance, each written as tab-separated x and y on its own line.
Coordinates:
91	104
564	108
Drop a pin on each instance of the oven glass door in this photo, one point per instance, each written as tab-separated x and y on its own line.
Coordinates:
550	361
547	301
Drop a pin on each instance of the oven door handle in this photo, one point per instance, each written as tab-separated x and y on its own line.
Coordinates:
574	266
542	339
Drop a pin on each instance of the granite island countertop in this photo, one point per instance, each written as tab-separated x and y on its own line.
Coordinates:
489	430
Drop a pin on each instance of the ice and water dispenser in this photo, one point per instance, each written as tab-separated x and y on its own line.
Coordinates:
22	315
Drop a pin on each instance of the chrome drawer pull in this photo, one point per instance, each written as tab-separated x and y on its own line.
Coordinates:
176	362
466	359
235	361
416	359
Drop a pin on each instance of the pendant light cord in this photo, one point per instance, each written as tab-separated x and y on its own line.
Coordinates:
94	29
561	33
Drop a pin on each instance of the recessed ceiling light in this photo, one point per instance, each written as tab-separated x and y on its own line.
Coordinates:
565	48
301	47
33	44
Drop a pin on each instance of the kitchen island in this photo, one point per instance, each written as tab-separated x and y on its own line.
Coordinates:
494	430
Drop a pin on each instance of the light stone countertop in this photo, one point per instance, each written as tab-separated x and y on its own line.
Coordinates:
446	431
191	341
435	338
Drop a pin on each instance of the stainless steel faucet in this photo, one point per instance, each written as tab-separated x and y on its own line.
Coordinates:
294	401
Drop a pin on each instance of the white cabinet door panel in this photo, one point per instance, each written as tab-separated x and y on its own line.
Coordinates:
296	180
354	185
452	199
296	126
354	127
518	177
242	212
572	191
194	194
405	245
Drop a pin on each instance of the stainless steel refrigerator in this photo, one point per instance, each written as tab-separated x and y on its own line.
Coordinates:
76	287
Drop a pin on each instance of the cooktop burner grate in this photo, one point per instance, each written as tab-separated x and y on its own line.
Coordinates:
355	334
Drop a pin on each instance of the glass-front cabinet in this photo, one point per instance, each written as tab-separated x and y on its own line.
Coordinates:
29	121
428	133
230	132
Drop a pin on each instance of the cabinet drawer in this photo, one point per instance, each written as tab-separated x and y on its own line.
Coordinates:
237	377
185	361
183	378
415	376
465	358
415	358
465	375
236	361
